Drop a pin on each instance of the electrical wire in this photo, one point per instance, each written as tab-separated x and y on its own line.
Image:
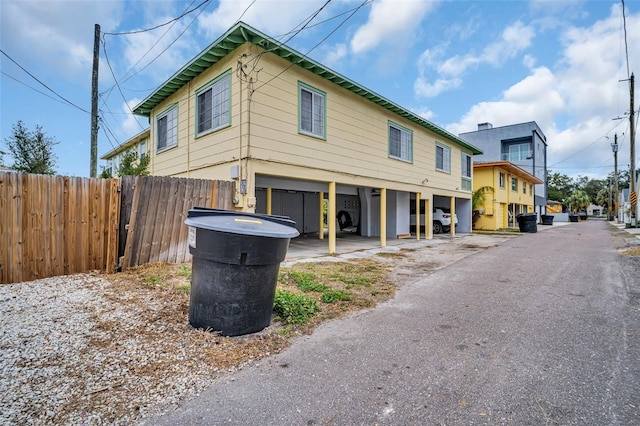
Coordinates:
47	87
304	56
35	90
161	25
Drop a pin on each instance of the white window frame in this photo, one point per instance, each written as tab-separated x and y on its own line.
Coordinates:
171	131
404	146
217	108
446	158
466	166
316	124
502	177
514	184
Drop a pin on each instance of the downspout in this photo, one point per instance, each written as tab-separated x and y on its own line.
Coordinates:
189	130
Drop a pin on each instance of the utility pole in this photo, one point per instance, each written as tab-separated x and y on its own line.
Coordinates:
94	103
633	196
614	147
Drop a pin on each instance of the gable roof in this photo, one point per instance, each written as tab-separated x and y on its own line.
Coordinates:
511	168
128	144
241	33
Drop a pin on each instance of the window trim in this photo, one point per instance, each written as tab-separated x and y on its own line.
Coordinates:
303	86
201	90
524	187
514	184
160	116
502	180
401	129
444	148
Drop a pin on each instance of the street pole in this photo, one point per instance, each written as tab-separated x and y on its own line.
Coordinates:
94	103
614	147
632	192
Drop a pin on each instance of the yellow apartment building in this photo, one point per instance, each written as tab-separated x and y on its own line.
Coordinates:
513	194
295	135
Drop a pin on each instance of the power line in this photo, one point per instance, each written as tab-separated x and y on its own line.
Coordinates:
34	89
318	44
161	25
48	88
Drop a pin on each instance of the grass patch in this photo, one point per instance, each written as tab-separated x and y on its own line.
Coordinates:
391	254
631	251
184	288
332	296
292	308
306	281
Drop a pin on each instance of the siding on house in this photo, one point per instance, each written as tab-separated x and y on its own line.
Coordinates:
356	144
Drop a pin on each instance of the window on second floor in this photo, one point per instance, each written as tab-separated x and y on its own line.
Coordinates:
467	184
514	184
213	104
501	178
312	111
524	187
517	152
443	158
167	129
531	189
400	143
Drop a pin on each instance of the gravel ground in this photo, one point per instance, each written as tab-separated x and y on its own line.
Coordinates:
83	349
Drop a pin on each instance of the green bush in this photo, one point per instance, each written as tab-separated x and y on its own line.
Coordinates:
291	308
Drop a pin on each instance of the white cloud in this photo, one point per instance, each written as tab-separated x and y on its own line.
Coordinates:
270	17
334	54
131	124
390	22
574	101
59	34
423	88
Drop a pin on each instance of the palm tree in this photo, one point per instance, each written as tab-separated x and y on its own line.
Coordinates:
577	201
478	198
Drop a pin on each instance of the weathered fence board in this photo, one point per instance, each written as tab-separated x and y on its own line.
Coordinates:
155	230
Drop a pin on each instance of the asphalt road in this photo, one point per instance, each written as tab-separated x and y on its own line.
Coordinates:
542	329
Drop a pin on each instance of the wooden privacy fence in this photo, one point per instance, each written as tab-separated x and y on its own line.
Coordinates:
59	225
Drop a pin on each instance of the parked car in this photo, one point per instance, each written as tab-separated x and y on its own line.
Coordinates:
441	220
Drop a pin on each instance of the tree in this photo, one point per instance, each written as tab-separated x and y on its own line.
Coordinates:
578	200
32	151
559	186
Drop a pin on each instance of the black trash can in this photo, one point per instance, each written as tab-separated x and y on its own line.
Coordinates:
547	219
527	222
236	259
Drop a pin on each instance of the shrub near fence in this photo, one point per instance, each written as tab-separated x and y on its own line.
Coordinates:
58	225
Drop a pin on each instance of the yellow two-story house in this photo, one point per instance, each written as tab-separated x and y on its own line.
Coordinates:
295	135
512	194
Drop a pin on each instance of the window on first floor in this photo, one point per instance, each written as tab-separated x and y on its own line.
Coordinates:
312	111
400	142
443	158
167	129
514	184
213	104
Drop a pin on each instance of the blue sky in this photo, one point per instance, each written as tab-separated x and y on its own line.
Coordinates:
456	63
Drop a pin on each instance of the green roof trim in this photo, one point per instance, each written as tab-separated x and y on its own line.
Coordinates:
241	33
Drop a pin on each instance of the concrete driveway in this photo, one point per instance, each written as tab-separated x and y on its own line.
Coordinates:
540	329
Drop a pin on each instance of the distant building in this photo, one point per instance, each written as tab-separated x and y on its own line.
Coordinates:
524	145
138	144
512	194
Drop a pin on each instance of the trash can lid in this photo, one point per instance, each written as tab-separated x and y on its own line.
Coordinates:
258	226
